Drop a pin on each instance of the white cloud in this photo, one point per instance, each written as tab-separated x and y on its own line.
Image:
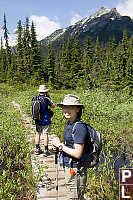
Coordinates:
11	38
44	26
125	8
76	17
1	33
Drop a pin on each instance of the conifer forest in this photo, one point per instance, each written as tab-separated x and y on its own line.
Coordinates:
70	66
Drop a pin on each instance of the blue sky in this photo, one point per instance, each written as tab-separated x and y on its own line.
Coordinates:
50	15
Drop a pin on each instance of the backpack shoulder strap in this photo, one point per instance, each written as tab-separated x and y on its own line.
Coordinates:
36	98
91	131
42	99
73	129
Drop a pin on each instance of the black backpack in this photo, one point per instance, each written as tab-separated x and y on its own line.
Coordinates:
36	112
94	146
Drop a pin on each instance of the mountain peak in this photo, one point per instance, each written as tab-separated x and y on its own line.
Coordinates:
100	12
104	11
115	12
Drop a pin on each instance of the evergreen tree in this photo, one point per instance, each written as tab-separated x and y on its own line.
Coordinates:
27	69
19	53
3	62
57	70
12	69
8	49
36	61
87	61
88	46
95	74
50	65
124	53
129	67
67	62
108	66
76	61
60	65
85	65
35	49
122	57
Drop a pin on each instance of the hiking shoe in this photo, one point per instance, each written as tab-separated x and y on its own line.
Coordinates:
38	151
46	153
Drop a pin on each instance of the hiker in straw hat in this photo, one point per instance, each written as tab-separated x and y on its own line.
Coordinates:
43	126
72	150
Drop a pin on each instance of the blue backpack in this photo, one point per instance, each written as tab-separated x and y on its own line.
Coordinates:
94	146
36	108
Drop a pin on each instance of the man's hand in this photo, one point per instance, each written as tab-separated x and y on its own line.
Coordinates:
56	142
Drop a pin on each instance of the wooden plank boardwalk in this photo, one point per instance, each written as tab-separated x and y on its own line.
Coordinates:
46	188
44	168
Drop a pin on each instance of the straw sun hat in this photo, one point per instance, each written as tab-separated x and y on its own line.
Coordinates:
43	89
70	100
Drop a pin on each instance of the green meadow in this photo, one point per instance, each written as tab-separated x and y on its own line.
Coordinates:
111	114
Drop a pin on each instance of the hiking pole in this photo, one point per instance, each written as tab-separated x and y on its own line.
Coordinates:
56	151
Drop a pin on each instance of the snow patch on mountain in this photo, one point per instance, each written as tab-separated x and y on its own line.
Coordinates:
58	35
99	13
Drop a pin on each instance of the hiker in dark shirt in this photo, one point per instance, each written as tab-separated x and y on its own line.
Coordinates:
44	126
72	150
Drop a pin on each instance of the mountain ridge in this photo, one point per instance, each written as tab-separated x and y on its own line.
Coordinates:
103	25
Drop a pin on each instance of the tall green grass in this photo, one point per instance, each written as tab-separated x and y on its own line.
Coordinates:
16	178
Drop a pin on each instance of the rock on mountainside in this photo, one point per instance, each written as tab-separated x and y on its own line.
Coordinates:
104	24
